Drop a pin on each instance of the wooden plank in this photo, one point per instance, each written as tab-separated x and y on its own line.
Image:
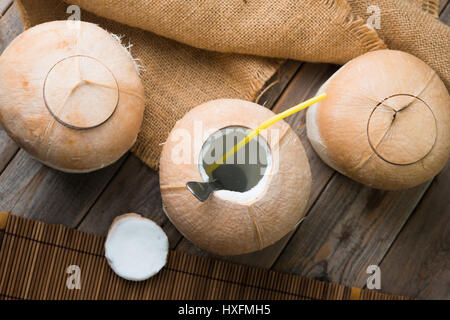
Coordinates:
10	27
134	189
443	4
275	86
418	263
30	189
304	85
7	149
4	5
445	14
350	227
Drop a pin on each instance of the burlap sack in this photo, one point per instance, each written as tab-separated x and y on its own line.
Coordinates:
307	30
178	76
429	6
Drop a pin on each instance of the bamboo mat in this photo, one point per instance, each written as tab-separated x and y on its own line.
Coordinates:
34	258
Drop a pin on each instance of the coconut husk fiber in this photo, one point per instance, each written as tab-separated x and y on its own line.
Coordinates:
198	50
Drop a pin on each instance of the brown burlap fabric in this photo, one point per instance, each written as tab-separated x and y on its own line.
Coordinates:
430	6
168	38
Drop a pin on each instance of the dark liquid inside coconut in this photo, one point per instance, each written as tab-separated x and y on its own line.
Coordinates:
241	171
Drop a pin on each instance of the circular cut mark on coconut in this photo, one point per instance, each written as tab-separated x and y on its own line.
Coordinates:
390	134
86	98
245	173
136	247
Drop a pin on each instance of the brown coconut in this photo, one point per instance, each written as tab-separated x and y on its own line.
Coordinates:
385	123
71	97
225	226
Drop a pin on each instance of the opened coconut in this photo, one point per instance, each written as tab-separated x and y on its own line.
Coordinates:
265	194
70	96
136	248
386	121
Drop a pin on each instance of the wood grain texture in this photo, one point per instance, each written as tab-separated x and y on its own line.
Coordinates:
276	85
30	189
418	263
134	189
8	149
443	4
349	228
445	14
4	5
10	27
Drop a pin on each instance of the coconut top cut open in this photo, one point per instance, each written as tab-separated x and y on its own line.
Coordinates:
386	121
136	247
232	222
70	95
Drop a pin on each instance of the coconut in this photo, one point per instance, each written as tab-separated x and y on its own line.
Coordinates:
385	123
136	247
234	222
71	97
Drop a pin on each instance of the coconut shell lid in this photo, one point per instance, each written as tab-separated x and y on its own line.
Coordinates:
386	121
85	78
390	128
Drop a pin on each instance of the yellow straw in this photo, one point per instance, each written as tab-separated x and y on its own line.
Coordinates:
263	126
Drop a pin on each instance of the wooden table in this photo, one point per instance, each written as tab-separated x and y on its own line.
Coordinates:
348	226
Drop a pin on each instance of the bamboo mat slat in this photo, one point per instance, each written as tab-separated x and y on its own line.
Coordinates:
34	258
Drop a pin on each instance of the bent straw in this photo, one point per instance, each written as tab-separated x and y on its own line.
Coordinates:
263	126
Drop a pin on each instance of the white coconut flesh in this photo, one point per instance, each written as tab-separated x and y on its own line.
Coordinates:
255	161
136	248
